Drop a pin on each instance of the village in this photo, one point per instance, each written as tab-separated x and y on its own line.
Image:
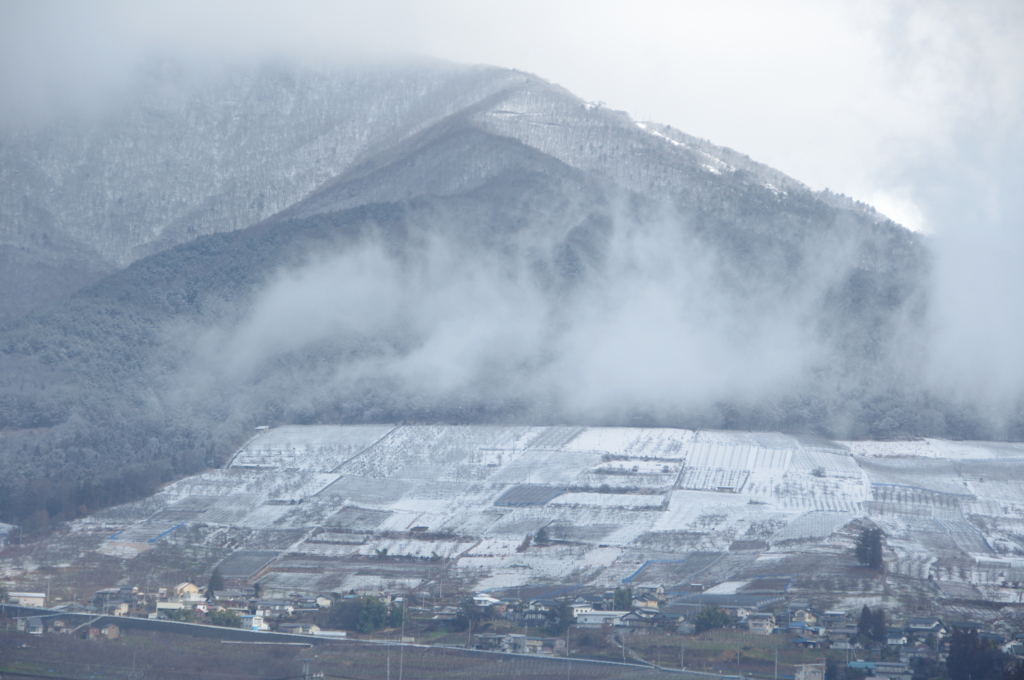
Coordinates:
713	552
772	636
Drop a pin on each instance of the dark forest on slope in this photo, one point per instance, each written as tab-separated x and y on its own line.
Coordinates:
526	259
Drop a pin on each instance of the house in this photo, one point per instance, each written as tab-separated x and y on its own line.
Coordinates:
27	599
34	626
917	650
520	644
544	605
804	616
924	625
895	637
890	670
161	606
1014	649
254	622
842	634
761	624
810	671
275	607
487	641
834	619
446	614
299	628
595	601
646	601
806	640
643	618
658	592
186	591
484	600
108	632
577	609
324	602
599	618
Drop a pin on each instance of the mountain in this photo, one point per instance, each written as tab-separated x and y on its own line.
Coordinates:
468	245
180	154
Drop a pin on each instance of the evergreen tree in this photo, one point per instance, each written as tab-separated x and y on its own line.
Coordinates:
864	622
623	599
869	548
879	633
216	581
832	670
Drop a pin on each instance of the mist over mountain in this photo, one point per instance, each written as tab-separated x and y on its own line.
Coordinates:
430	243
179	154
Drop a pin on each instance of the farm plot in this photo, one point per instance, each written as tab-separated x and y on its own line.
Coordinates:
611	500
414	548
553	438
523	495
995	479
888	499
318	448
188	509
358	520
813	526
799	491
932	474
632	442
827	462
273	539
712	479
370	491
431	447
619	476
771	440
547	467
552	564
737	456
246	563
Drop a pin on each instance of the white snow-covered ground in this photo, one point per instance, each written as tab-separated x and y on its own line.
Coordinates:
610	499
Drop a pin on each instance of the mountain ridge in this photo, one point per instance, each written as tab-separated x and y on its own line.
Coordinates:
526	257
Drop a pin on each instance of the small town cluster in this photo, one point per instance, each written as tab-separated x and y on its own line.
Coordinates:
555	625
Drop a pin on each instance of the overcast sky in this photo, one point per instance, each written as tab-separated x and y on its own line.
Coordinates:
857	97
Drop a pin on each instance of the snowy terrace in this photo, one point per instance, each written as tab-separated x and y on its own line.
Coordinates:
342	505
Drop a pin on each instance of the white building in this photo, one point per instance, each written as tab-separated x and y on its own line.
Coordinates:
27	599
810	671
596	619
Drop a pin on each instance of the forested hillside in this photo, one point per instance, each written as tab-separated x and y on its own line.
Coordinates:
528	258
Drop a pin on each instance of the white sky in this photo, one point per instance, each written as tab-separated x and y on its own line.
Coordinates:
858	97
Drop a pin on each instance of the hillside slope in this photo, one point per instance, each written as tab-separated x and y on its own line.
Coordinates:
181	154
525	258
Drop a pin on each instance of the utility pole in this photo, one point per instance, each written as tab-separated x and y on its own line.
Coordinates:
776	663
682	657
401	649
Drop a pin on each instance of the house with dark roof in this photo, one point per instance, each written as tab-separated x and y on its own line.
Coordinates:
922	625
644	617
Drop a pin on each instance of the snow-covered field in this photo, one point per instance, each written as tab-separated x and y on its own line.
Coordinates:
403	503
